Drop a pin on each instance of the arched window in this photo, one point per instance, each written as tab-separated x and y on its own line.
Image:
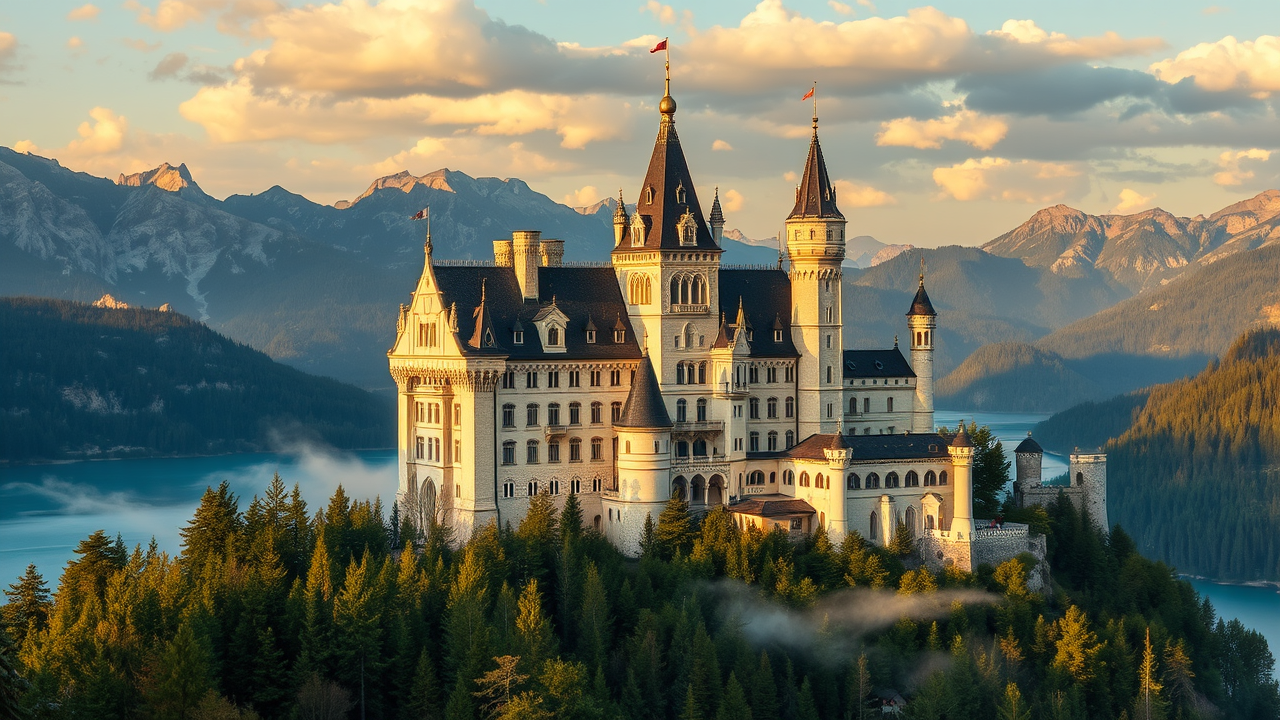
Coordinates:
575	449
1079	478
942	478
788	477
553	336
675	290
928	522
891	480
771	407
597	414
753	408
804	479
682	408
755	478
930	478
819	481
773	440
699	290
553	413
531	452
791	438
702	408
853	406
913	480
911	518
680	373
533	488
874	528
702	373
531	414
853	482
873	481
509	415
648	195
790	407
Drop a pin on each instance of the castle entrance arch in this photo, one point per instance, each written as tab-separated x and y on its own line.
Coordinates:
699	489
715	490
679	488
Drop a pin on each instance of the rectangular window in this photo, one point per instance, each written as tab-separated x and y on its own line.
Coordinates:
615	378
531	452
553	414
595	378
421	413
615	411
508	489
753	375
575	450
866	404
755	442
553	452
791	374
553	379
509	453
508	415
420	449
531	379
531	415
575	414
597	412
771	375
597	449
457	451
509	380
457	415
575	378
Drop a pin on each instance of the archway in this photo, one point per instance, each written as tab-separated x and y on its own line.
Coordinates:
874	535
715	490
699	489
679	488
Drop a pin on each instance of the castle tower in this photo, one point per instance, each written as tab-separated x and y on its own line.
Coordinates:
644	462
1028	461
815	246
666	258
717	218
961	451
839	455
1088	470
922	320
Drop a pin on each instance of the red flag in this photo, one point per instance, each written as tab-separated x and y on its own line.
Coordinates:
422	214
808	94
660	46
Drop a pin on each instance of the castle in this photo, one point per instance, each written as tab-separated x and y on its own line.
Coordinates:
665	373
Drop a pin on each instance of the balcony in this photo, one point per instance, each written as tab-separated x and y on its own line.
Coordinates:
709	463
690	308
553	431
711	426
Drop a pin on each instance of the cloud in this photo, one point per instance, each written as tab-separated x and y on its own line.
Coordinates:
1110	44
1228	64
141	45
1232	173
74	43
721	145
169	66
1131	200
8	50
966	126
76	498
664	14
233	16
790	176
582	197
87	11
732	201
839	7
851	194
1029	181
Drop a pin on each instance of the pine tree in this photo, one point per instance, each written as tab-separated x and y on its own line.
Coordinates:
423	702
1150	703
180	677
1012	707
649	538
535	639
764	690
674	533
690	710
1077	647
214	533
807	705
990	471
860	687
734	706
12	685
1178	677
594	621
499	686
571	518
28	604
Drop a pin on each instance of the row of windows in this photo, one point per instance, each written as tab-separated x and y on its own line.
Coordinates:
531	413
771	408
550	487
682	410
532	451
866	405
772	438
430	413
428	449
853	481
574	378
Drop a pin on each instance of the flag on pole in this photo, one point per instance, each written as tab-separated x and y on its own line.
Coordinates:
808	94
422	214
659	47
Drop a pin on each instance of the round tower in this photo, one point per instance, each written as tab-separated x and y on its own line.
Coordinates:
1028	461
922	321
961	451
839	454
1088	471
643	462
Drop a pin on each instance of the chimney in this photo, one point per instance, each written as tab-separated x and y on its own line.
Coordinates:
526	257
502	253
552	253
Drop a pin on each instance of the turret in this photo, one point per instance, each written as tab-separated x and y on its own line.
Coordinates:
1088	470
717	219
619	220
526	256
815	246
839	455
643	461
1029	460
922	320
961	451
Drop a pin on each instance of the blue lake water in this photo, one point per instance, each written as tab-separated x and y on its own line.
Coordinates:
46	509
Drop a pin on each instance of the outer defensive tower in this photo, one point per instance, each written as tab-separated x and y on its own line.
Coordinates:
922	320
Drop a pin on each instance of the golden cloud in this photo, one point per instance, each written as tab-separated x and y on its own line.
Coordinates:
994	178
1228	64
851	194
980	131
1232	173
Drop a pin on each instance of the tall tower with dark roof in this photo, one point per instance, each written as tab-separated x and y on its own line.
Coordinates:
668	246
922	320
815	247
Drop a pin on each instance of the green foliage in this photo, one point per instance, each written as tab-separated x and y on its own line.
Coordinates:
138	382
474	632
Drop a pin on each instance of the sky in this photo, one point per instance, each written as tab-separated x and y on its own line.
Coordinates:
944	124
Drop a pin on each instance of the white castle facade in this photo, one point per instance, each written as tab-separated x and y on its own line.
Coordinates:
664	373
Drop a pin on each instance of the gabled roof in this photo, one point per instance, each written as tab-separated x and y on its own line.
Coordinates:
769	506
669	178
816	197
876	364
766	298
644	407
580	293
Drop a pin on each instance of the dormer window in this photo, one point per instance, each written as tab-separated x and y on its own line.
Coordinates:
680	194
648	195
688	229
591	337
553	336
777	336
637	230
518	337
619	335
750	335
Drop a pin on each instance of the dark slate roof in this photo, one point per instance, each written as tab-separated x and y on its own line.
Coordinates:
580	293
876	364
717	215
817	196
961	439
867	447
921	305
771	506
1029	446
766	297
668	172
644	407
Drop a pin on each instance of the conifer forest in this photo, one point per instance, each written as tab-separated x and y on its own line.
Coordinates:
275	610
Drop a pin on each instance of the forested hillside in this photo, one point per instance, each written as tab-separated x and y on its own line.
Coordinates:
270	613
89	382
1194	468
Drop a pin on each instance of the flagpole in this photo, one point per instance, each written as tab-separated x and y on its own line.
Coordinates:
815	102
666	48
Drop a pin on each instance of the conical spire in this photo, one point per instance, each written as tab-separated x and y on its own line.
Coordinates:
484	335
816	196
717	215
644	407
620	213
920	305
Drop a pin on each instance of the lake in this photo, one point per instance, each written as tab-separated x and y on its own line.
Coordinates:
46	509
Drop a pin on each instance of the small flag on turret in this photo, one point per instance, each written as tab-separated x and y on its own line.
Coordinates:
808	94
659	47
422	214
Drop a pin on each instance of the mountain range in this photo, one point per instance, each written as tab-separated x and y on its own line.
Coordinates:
313	285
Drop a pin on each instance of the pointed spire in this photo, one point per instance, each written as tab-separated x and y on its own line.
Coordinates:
962	438
483	336
620	213
920	304
644	407
816	196
717	215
